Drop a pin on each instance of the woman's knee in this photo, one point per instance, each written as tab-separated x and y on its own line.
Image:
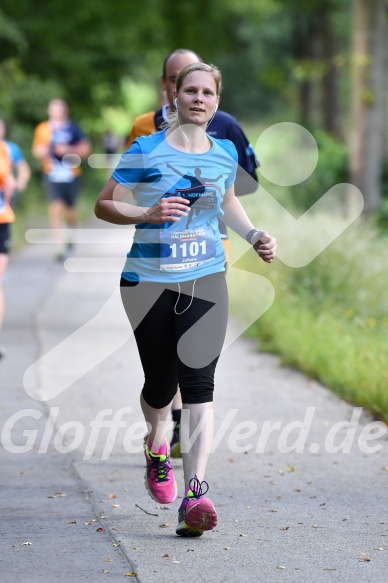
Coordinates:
194	394
158	397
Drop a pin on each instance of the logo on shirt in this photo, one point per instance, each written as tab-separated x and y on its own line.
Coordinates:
201	194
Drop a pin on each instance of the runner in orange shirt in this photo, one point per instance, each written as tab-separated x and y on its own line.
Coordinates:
11	160
53	139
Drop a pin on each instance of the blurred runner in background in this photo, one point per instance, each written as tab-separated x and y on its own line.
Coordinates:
53	139
14	175
20	169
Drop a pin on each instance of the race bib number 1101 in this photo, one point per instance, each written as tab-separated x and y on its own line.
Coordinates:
186	249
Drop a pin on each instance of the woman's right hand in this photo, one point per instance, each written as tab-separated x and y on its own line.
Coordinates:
110	207
167	210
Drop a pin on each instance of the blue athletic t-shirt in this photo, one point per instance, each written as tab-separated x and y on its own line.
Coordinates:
225	127
15	152
16	156
191	247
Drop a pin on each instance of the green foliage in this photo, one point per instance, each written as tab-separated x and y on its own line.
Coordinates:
350	361
64	48
331	169
138	97
75	49
11	36
381	216
329	318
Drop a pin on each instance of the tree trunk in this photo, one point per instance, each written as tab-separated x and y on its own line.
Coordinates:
369	99
330	91
303	51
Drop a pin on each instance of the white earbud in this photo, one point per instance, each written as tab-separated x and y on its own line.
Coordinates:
216	107
176	103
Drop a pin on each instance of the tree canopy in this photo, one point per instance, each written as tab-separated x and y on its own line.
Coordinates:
281	59
83	49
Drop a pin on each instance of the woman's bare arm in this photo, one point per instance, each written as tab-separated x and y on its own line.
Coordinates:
110	207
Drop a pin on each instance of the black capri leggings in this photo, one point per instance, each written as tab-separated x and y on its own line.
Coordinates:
179	334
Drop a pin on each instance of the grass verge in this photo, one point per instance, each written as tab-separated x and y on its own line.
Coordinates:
329	318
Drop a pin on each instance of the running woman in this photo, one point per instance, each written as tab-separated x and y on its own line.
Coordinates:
222	126
173	283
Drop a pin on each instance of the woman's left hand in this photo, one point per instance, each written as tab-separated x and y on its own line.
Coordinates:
265	246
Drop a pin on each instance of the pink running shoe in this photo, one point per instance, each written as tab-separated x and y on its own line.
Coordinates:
159	478
196	513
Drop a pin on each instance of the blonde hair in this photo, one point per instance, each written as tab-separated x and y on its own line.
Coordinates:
212	69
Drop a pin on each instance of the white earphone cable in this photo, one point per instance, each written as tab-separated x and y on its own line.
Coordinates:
191	301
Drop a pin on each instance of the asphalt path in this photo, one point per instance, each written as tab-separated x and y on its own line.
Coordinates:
73	502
